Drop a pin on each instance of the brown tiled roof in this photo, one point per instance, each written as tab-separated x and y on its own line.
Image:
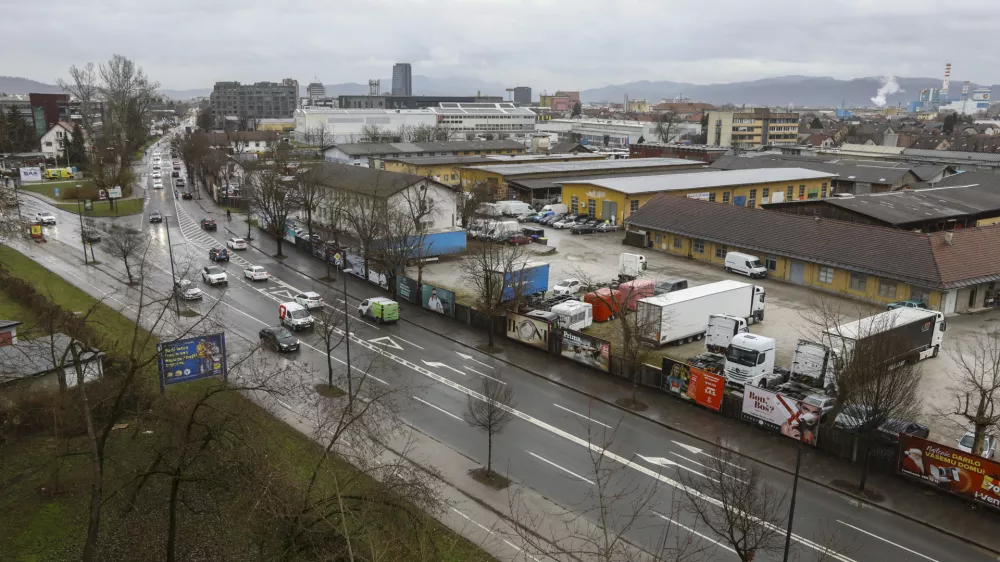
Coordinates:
928	260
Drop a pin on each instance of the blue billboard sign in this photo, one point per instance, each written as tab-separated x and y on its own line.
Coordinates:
192	359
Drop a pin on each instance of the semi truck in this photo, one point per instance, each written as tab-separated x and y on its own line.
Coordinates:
531	278
722	328
910	334
631	266
682	316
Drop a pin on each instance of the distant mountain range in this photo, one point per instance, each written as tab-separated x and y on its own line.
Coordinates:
800	91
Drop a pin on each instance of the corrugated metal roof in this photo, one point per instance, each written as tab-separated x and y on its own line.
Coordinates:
360	148
569	167
867	148
899	207
847	170
953	155
704	180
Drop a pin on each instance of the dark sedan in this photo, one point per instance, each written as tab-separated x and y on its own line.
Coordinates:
155	216
218	254
582	228
209	224
279	338
187	195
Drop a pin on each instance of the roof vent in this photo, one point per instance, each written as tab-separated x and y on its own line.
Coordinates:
948	236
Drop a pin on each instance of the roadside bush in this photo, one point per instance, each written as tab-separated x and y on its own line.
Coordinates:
84	192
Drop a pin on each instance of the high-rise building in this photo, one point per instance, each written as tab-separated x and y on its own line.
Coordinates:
262	100
752	128
402	79
316	90
522	95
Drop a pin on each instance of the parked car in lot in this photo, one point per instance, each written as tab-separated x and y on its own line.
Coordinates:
582	228
309	299
852	417
569	286
155	216
526	217
907	304
551	220
209	224
539	217
218	254
565	222
236	244
176	173
256	273
187	291
45	218
214	275
278	338
606	227
989	444
516	238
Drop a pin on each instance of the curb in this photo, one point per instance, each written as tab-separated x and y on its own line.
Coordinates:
680	430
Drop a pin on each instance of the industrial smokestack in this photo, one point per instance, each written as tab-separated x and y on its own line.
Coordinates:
947	79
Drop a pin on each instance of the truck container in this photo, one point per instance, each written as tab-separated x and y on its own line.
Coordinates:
682	316
631	266
633	291
574	315
605	302
721	329
513	208
911	334
531	279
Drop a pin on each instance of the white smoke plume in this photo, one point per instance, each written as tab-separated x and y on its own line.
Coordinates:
889	87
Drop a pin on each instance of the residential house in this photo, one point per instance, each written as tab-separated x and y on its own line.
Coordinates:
8	332
52	142
38	363
244	142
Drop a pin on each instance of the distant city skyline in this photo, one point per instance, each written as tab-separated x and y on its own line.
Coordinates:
646	40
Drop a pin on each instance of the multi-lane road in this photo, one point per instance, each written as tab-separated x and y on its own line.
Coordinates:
546	447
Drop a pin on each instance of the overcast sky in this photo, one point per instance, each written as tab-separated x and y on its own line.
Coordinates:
546	44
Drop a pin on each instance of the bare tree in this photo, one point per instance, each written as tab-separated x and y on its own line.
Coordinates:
977	386
469	202
490	413
311	192
85	89
364	214
492	270
12	223
128	96
429	133
128	245
319	135
666	125
205	121
371	134
735	501
397	243
271	197
193	150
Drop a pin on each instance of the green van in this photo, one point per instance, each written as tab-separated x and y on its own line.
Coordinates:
380	309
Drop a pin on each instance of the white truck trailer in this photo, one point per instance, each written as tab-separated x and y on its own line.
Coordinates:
682	316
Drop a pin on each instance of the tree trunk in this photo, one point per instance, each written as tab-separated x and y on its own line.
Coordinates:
489	452
864	464
128	271
279	239
175	486
491	327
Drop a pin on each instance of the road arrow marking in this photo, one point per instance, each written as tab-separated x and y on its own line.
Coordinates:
283	293
698	451
469	358
441	366
386	341
667	462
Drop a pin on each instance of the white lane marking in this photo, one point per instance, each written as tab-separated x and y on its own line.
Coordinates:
409	342
484	375
567	471
387	341
439	365
706	466
660	461
468	357
488	531
888	541
442	410
581	415
693	532
698	451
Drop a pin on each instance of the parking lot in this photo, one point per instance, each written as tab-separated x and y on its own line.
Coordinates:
789	308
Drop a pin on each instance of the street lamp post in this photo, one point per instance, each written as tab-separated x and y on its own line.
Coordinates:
173	276
83	234
791	507
347	329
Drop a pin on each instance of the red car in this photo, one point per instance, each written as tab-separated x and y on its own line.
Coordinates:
518	238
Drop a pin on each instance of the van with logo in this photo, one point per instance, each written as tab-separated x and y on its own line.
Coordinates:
379	309
295	316
745	264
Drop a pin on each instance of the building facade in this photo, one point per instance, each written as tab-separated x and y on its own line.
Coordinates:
752	129
706	154
374	154
54	140
488	121
612	133
316	90
261	100
347	101
402	79
347	125
522	95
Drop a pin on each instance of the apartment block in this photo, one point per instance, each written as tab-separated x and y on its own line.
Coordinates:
752	128
261	100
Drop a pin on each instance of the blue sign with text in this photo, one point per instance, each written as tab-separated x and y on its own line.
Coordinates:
192	358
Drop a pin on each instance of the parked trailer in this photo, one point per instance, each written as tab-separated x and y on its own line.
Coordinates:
633	291
913	334
682	316
605	302
532	278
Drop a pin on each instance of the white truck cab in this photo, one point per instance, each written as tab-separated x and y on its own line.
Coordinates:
722	328
295	316
750	361
745	264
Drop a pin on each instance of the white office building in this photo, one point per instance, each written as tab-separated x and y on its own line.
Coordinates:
345	125
489	121
612	133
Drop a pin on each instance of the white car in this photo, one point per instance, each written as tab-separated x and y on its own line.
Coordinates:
989	444
156	174
565	223
157	184
569	286
256	273
309	300
236	244
187	291
214	275
45	218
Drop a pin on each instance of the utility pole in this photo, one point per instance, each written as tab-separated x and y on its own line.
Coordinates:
174	281
791	507
347	320
83	235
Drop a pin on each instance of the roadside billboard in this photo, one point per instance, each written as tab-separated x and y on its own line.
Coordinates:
966	475
192	359
791	417
406	289
586	350
30	174
436	299
531	331
694	384
115	192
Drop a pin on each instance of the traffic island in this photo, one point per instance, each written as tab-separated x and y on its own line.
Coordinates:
487	348
489	478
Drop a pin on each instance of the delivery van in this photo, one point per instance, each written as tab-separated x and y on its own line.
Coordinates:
58	173
379	309
745	264
295	316
557	208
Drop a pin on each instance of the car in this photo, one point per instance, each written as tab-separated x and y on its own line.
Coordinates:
526	217
91	235
539	217
187	195
592	222
236	244
516	238
155	216
214	275
218	254
907	304
989	444
187	291
279	338
45	218
156	174
256	273
566	222
582	229
157	184
175	173
569	286
179	182
606	227
552	219
209	224
853	416
309	299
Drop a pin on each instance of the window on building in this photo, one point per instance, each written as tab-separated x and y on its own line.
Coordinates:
802	191
825	275
920	294
886	289
658	238
764	195
771	263
633	206
592	207
859	282
711	197
720	251
822	190
698	247
48	143
678	242
574	205
752	202
791	193
725	197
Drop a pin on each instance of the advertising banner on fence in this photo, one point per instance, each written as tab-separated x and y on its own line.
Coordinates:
30	174
192	359
531	331
436	299
406	288
792	418
691	383
951	470
587	350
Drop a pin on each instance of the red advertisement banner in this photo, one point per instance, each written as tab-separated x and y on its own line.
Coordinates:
964	474
692	383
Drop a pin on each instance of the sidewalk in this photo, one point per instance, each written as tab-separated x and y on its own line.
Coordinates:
918	503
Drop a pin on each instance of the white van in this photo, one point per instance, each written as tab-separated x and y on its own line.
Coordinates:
295	316
745	264
557	208
514	208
